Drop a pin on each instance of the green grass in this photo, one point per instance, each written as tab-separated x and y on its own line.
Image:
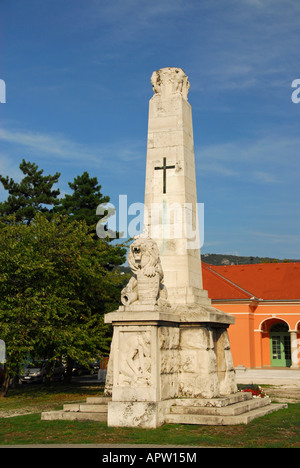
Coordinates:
34	396
279	429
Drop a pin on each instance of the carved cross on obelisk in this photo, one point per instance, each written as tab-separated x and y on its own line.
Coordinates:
164	167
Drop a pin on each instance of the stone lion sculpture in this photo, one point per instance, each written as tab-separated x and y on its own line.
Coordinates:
146	284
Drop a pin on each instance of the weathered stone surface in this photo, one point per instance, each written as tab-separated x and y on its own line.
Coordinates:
157	356
73	416
138	414
168	81
256	410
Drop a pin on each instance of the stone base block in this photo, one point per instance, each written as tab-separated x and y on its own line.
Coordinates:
137	413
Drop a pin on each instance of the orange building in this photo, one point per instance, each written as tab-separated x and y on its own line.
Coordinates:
265	301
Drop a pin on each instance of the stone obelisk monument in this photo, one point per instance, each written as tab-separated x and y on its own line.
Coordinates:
169	343
170	358
170	189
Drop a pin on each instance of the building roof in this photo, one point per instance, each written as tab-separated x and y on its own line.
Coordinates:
268	281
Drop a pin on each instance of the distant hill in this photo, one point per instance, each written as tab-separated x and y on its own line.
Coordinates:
223	259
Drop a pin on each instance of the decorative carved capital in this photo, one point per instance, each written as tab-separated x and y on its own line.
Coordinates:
168	81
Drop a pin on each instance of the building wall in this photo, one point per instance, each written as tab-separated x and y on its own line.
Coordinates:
249	337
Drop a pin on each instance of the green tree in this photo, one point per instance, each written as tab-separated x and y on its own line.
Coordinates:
83	202
33	194
54	290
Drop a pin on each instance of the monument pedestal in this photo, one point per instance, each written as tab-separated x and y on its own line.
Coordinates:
162	353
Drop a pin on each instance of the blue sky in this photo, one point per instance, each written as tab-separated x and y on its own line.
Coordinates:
77	76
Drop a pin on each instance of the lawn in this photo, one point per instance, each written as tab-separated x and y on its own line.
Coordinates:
279	429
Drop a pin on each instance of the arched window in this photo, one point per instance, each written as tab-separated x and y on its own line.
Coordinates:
279	327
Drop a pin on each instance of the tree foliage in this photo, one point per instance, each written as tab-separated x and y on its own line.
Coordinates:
83	202
57	279
54	290
33	194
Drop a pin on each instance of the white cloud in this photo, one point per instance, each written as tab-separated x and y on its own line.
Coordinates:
277	238
266	159
125	21
266	177
56	145
246	44
64	150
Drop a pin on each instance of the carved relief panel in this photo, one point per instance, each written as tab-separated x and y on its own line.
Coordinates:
134	363
134	358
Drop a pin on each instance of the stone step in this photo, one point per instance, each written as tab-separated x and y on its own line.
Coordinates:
86	407
71	407
73	416
90	408
95	409
222	420
98	400
230	410
225	400
238	408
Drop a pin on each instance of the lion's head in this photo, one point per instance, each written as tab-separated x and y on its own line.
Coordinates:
144	255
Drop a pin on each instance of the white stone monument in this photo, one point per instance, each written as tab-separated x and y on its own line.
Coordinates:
168	341
170	192
170	358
